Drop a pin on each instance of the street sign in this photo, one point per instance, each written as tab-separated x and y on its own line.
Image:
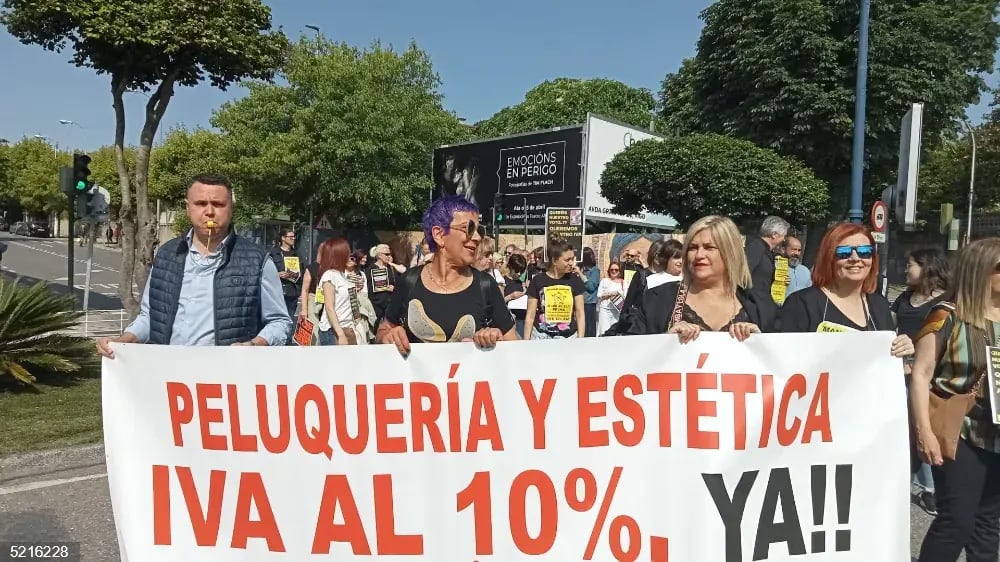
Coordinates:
323	224
879	237
880	215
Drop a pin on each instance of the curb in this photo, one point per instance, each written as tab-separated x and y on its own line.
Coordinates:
50	461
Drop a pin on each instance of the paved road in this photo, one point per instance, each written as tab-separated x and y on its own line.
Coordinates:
45	259
63	495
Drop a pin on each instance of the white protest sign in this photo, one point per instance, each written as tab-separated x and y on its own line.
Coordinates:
784	447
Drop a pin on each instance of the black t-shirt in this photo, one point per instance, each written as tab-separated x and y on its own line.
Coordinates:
514	285
909	318
809	310
430	317
555	315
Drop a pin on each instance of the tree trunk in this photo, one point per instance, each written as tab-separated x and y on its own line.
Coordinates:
126	214
138	236
147	235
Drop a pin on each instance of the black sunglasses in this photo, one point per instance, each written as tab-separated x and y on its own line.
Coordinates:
470	229
844	252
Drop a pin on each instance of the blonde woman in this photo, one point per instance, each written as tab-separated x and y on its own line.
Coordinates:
713	294
951	358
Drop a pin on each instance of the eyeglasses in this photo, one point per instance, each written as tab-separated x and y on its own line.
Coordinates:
844	252
470	229
613	270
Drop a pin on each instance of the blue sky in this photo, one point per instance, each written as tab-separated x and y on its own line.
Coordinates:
488	55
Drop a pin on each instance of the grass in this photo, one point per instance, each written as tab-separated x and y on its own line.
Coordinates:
60	411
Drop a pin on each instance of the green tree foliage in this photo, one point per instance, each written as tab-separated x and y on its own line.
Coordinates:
150	45
31	322
352	132
566	101
692	176
782	75
184	154
33	176
104	170
945	173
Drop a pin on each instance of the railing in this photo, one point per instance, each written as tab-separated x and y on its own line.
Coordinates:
100	323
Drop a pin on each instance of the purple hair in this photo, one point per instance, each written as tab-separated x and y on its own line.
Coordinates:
442	212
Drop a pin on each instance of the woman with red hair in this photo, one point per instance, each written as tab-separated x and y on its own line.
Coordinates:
843	296
337	318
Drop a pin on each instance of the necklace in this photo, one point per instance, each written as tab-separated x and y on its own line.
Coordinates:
430	273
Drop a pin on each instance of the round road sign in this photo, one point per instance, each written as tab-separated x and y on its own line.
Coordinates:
880	214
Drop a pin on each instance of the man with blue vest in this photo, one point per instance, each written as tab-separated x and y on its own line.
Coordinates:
211	286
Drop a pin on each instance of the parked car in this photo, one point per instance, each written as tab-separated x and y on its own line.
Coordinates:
37	229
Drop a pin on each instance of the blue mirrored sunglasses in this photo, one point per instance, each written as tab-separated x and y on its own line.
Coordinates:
844	252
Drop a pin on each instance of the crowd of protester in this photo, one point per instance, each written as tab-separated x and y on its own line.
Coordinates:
460	287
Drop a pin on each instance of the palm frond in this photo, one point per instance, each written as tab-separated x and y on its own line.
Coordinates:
31	319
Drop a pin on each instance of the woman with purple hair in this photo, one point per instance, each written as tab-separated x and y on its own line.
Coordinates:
447	299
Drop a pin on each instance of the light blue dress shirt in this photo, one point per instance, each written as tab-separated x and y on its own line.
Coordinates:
799	278
194	323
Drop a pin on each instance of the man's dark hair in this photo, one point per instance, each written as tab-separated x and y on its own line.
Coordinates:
212	179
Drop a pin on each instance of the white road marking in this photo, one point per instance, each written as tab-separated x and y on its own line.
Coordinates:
49	483
63	256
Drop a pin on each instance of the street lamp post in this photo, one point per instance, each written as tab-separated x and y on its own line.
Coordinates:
855	214
972	183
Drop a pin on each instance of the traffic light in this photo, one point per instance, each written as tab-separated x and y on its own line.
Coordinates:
85	204
81	173
498	209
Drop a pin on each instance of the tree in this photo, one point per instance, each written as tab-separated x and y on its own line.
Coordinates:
692	176
566	101
150	45
33	176
944	173
782	75
352	132
104	170
182	155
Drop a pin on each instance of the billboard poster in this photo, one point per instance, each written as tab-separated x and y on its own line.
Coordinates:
605	139
541	169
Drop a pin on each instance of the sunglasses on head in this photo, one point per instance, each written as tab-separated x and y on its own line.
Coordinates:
844	252
470	229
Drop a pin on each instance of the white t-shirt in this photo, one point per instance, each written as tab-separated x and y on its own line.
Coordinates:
342	288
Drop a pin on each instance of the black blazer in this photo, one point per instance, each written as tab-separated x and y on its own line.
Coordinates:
653	312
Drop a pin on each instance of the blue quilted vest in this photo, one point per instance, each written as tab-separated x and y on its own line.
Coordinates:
236	294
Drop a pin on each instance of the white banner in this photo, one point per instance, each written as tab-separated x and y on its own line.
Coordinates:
785	447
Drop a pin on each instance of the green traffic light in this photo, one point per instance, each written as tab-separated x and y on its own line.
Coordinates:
81	186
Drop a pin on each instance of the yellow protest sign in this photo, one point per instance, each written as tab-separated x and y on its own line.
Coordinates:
833	328
780	284
558	304
292	263
629	274
320	299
